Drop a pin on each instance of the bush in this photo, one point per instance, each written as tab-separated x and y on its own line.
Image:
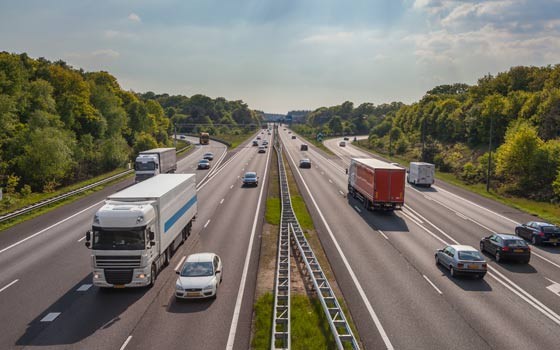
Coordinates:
402	146
469	173
25	191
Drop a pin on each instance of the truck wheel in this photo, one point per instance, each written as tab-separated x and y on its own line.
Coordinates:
152	276
166	258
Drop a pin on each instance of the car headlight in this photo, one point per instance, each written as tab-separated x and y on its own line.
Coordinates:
178	286
210	286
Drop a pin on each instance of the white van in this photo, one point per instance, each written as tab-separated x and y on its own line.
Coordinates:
421	173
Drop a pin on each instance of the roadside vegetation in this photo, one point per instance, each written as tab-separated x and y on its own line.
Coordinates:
452	126
61	126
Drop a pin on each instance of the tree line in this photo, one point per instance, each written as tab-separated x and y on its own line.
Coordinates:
452	126
59	125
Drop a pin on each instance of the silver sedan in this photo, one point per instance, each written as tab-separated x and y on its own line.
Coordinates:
461	260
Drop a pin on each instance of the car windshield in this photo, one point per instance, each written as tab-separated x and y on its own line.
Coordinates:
118	239
145	166
203	161
551	229
250	176
515	243
197	269
208	154
470	256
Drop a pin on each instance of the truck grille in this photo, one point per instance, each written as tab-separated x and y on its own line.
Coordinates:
114	276
117	261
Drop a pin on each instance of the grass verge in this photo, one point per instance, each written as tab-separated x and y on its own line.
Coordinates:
310	327
547	211
262	322
234	140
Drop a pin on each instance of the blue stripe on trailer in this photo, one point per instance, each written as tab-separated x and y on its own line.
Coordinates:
172	220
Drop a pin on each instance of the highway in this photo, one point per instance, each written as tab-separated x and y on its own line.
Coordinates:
45	280
384	265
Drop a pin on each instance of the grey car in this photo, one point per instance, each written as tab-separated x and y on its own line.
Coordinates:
461	260
250	179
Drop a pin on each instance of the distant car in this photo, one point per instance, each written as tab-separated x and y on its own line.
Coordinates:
265	142
208	155
293	137
289	132
250	179
255	143
303	147
305	163
461	260
346	139
258	137
262	149
539	232
199	277
342	144
204	164
182	137
269	133
504	246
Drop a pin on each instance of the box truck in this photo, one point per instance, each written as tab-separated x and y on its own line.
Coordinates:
420	173
155	161
379	185
137	230
204	138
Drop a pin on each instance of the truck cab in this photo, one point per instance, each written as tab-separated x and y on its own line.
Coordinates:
146	166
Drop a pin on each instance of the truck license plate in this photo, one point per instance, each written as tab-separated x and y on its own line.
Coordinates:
119	285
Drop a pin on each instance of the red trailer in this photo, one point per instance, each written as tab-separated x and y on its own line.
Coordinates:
378	184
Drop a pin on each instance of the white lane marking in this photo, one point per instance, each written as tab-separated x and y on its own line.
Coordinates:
81	239
545	259
357	283
358	209
207	222
125	342
222	201
437	228
342	193
230	187
425	229
554	287
222	167
330	180
383	234
237	310
180	263
83	288
427	197
461	215
432	284
51	316
417	219
506	282
8	285
48	228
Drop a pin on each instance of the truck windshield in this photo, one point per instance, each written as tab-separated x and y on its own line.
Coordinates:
119	239
145	166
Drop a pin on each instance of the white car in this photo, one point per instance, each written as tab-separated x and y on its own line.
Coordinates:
199	277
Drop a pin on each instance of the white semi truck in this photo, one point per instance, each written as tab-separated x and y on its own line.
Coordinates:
155	161
421	174
137	230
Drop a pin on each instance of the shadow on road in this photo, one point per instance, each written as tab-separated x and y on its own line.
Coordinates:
82	314
188	306
379	220
467	283
423	188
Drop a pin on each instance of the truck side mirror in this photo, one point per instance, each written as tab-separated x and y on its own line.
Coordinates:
346	171
152	243
88	236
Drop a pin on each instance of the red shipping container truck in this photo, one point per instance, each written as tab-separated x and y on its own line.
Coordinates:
378	184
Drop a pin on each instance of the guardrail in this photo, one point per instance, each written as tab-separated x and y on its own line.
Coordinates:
340	328
281	338
55	199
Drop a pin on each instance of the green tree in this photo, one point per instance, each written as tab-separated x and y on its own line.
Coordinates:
335	124
144	141
115	153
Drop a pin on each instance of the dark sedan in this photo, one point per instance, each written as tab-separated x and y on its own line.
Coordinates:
504	246
250	179
203	164
208	155
305	163
539	232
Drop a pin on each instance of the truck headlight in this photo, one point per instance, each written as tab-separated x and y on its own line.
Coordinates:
97	275
141	275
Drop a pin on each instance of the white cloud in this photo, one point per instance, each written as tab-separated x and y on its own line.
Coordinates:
134	17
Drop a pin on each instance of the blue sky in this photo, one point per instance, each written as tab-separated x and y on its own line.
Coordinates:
289	54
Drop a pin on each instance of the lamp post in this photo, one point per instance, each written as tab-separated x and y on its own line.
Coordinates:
423	139
489	156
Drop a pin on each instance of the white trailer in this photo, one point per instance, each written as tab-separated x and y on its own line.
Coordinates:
137	230
421	173
155	161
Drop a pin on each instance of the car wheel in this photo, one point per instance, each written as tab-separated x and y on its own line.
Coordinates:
452	272
215	294
152	276
498	257
437	260
534	240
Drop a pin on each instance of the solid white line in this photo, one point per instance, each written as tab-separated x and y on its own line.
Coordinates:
383	234
50	317
461	215
125	342
207	222
237	310
222	201
545	259
356	281
410	214
180	263
81	239
432	284
8	285
425	229
48	228
358	209
342	193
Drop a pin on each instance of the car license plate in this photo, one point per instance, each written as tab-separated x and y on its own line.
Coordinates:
518	250
554	239
119	285
474	267
192	294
